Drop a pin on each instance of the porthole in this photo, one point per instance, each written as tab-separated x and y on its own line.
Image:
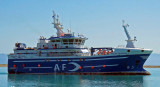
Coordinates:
128	51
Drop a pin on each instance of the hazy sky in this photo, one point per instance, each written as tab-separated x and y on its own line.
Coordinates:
99	20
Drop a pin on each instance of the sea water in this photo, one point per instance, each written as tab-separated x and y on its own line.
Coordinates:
13	80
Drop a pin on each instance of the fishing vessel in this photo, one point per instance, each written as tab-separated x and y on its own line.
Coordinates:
66	54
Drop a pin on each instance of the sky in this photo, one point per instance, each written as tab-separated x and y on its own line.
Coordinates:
98	20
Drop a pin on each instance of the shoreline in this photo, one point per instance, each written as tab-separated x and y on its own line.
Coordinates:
3	65
151	66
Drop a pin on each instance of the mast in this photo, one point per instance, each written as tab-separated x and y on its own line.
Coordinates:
130	41
57	25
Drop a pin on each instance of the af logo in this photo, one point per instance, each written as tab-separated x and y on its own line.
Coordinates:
57	68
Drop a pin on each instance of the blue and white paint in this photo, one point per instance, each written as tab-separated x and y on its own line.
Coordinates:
66	54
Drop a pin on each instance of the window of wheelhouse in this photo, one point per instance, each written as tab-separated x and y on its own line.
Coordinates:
71	41
55	41
68	41
79	42
65	41
76	41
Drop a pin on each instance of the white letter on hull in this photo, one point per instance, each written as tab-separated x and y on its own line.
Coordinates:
56	68
63	66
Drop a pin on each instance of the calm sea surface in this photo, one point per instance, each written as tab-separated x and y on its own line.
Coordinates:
79	80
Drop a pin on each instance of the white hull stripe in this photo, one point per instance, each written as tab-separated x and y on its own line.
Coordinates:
35	67
101	65
66	57
31	67
73	59
106	58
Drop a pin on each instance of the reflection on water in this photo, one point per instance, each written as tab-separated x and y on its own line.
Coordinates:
13	80
74	81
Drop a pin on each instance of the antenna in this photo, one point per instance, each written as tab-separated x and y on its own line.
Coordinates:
54	13
57	25
69	31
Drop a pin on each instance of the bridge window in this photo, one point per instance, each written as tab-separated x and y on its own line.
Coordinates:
71	41
80	41
76	40
65	40
57	40
53	41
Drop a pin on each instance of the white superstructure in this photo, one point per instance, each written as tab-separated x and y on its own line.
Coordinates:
67	44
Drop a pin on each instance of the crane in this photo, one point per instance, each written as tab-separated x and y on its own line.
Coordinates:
130	41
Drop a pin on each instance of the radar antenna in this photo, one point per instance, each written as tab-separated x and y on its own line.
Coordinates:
57	25
130	41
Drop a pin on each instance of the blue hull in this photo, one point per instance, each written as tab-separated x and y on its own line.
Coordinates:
127	65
